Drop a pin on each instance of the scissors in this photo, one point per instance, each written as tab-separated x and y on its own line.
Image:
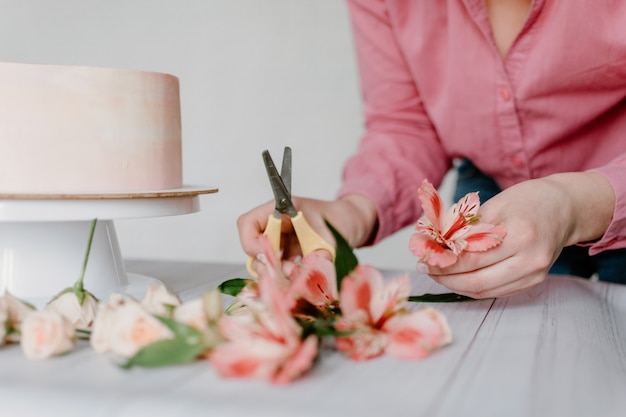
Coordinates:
308	238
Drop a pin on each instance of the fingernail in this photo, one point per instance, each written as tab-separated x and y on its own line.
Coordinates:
297	259
421	268
261	258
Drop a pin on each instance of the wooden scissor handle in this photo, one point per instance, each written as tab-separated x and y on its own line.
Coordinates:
309	239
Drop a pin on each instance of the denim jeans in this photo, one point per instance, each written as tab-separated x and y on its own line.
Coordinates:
574	260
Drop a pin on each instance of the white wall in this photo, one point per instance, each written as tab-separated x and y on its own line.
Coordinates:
254	75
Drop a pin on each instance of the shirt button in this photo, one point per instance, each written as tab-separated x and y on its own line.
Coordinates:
505	93
518	161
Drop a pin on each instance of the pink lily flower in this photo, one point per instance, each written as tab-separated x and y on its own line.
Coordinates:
315	280
441	237
416	334
376	316
265	341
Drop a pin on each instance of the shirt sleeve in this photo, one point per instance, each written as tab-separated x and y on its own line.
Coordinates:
615	235
400	146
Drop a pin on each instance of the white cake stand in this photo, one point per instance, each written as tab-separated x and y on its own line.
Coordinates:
43	239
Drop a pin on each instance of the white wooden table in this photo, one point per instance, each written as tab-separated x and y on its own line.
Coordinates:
559	350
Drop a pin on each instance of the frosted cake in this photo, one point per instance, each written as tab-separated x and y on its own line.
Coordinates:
83	130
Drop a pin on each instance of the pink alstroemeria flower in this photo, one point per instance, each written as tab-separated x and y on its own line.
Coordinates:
265	341
416	334
315	280
440	237
376	316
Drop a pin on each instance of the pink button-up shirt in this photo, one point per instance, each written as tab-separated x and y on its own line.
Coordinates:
435	88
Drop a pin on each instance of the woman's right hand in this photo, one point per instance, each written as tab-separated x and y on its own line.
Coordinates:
354	216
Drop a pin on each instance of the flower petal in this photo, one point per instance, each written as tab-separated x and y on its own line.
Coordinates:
237	360
431	203
461	216
299	362
417	334
355	296
430	252
315	280
46	334
484	236
363	344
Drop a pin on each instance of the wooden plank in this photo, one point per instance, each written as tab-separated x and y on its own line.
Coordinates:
557	350
383	384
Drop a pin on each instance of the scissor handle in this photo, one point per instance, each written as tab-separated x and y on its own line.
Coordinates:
272	231
309	239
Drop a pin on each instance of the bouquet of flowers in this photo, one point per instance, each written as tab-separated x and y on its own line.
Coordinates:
274	326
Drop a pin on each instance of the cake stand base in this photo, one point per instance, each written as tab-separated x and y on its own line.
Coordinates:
43	240
40	259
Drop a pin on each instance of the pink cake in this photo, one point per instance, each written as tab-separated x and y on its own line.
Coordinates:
82	130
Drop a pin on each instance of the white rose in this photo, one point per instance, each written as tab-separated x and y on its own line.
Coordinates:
194	314
101	326
46	334
213	305
157	300
81	316
123	326
17	312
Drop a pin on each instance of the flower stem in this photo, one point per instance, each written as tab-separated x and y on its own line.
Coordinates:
79	284
448	297
83	334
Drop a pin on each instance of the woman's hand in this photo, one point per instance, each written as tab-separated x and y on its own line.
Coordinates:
354	216
541	217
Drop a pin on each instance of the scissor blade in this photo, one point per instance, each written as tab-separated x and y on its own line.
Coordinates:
282	197
285	171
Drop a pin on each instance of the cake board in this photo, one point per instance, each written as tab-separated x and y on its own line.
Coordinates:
43	239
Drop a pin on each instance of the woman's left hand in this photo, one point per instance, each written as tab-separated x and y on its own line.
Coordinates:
541	217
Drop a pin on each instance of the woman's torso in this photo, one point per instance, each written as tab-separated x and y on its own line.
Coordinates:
541	96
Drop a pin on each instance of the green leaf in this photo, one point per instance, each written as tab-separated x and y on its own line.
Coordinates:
448	297
345	259
182	331
185	347
233	286
83	334
165	353
321	328
325	328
